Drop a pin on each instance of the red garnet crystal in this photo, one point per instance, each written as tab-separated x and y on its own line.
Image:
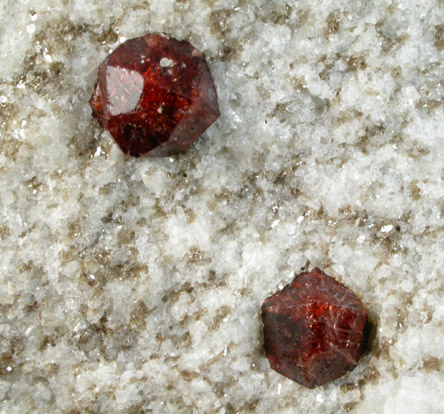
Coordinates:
315	329
155	96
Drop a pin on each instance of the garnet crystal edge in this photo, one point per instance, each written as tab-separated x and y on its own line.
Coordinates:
315	329
155	96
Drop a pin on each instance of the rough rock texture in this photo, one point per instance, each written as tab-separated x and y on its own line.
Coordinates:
155	96
315	329
135	285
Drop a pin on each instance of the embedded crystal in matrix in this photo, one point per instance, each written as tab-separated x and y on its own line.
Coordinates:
155	95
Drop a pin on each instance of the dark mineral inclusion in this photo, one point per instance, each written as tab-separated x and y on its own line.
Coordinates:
155	96
315	329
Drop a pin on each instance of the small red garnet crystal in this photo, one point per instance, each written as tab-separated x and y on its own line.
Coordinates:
155	96
315	329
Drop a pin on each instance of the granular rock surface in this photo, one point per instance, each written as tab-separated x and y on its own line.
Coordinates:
135	285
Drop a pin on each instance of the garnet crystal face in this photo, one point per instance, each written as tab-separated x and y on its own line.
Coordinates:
315	329
155	96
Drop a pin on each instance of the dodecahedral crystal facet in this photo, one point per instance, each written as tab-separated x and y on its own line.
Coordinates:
155	96
315	329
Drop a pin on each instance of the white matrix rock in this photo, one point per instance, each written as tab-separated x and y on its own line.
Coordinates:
135	285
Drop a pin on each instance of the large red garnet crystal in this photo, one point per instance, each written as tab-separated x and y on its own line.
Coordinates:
315	329
155	96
